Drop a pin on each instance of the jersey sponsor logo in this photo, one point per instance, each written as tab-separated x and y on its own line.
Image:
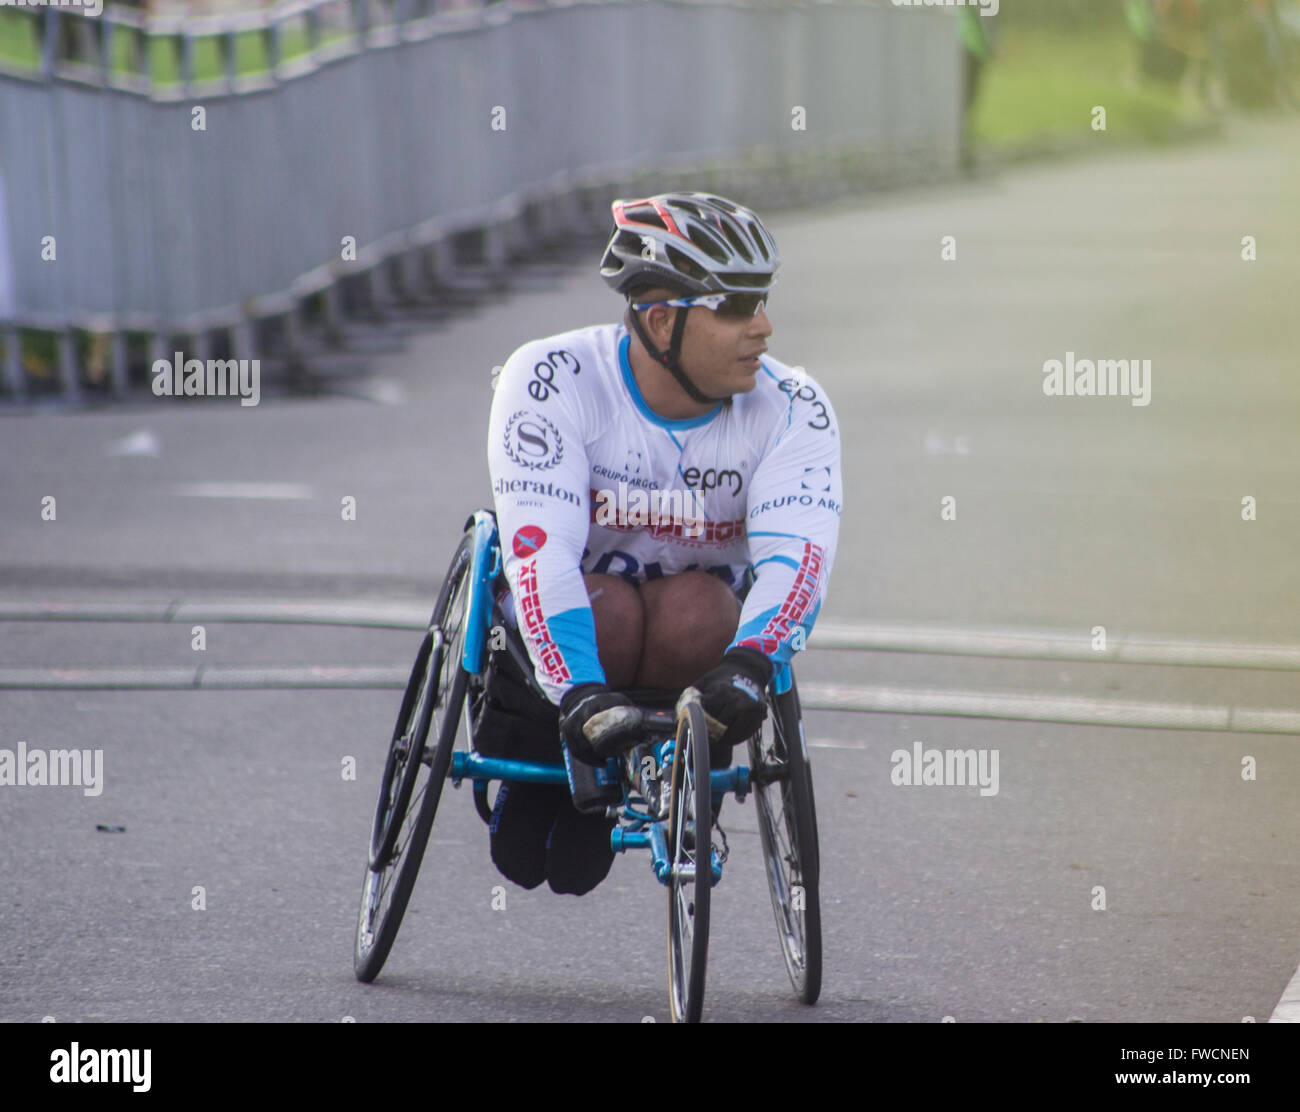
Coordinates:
548	654
534	486
533	442
543	384
816	478
799	388
623	477
803	593
529	540
806	500
713	479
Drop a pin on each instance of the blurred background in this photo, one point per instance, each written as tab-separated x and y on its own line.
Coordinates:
91	143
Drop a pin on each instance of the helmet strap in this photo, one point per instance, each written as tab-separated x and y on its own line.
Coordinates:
672	357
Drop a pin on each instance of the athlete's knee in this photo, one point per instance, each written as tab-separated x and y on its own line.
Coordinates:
620	626
690	619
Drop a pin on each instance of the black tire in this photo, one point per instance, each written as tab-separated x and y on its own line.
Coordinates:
690	852
787	825
414	774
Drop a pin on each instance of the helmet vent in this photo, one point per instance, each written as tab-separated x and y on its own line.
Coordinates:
742	248
747	281
646	214
684	264
708	243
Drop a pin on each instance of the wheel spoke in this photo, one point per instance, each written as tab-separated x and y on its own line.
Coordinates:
430	711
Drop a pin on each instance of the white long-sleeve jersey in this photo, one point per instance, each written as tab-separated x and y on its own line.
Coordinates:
588	479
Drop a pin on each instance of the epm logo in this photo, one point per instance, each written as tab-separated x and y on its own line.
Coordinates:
713	479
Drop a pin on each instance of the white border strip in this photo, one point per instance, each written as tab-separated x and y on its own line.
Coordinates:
202	677
1052	645
876	700
393	615
1039	708
1288	1008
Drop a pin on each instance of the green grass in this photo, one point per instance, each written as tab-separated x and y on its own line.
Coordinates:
18	43
20	48
1042	85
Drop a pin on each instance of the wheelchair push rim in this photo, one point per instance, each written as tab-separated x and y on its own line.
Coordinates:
691	879
787	825
415	772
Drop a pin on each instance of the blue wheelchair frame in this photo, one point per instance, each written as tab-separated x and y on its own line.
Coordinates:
636	828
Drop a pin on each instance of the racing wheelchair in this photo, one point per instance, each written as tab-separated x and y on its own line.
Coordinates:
666	789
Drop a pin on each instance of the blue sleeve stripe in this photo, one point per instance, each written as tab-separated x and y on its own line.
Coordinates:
778	560
574	633
785	650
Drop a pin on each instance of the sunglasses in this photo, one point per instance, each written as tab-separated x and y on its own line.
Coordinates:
739	306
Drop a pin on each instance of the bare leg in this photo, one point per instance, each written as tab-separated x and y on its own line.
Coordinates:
690	619
620	627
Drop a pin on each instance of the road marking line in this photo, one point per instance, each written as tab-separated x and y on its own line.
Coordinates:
1288	1008
1014	706
1052	645
277	491
203	677
394	615
1049	708
950	641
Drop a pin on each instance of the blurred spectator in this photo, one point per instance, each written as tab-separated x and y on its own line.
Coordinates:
976	34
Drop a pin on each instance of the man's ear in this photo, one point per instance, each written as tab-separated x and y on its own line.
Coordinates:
659	323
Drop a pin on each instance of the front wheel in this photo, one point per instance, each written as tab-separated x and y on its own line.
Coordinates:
414	772
690	828
787	826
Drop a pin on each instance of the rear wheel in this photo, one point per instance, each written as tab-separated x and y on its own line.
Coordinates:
787	825
415	772
690	826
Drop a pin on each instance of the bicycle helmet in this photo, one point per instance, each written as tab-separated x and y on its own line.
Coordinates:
692	243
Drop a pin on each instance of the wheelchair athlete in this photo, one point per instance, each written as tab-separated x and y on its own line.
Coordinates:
668	502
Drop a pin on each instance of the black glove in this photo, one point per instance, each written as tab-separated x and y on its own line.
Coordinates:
597	724
733	695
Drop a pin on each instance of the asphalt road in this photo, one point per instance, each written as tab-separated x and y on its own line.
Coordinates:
1072	513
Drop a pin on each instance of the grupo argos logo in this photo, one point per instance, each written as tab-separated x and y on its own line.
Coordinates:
533	442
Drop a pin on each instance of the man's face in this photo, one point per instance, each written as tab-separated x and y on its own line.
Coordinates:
719	352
